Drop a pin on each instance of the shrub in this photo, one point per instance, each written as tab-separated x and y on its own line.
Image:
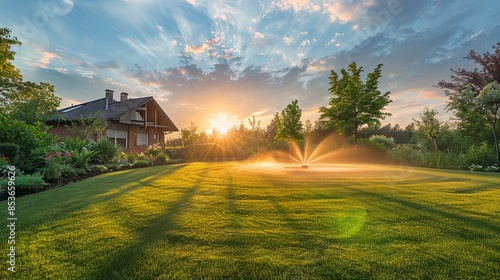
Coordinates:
448	160
152	152
73	144
100	168
388	142
406	155
9	150
113	166
52	171
27	136
4	170
175	152
81	171
36	161
141	163
131	157
26	182
475	167
370	151
160	159
479	154
78	150
107	150
68	171
81	159
55	169
492	168
122	158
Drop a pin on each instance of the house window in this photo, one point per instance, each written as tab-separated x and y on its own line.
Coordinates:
156	139
119	136
142	139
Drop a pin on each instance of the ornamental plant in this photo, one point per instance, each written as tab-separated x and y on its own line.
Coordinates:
4	161
57	165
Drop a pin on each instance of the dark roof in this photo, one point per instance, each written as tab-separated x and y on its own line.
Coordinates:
115	109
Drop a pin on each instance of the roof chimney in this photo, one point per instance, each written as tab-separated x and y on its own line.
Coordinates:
109	94
109	97
123	96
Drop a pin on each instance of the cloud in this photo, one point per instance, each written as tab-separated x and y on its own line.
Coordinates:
298	5
198	50
342	11
45	59
259	38
153	48
224	86
258	35
287	40
106	65
204	56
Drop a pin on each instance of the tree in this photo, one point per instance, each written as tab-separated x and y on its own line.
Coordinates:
464	90
272	127
429	126
189	135
354	103
476	79
289	126
32	102
489	100
22	100
254	123
308	127
9	74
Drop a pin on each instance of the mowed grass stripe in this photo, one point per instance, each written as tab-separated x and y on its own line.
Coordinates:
242	220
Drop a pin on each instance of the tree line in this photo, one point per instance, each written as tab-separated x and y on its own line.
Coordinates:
355	110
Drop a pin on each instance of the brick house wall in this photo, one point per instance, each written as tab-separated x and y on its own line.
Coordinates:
62	132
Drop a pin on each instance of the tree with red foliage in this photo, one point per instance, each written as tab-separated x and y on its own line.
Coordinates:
465	92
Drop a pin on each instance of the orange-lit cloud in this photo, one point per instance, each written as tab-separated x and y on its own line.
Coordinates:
201	48
298	5
45	60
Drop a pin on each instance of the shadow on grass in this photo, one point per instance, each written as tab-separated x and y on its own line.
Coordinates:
485	187
58	203
448	222
160	228
231	205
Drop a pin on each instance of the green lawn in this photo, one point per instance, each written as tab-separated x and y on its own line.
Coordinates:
242	220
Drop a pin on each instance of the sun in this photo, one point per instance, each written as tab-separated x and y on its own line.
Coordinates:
222	123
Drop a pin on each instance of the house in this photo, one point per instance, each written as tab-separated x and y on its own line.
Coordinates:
133	123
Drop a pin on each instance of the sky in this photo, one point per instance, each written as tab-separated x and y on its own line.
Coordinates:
223	61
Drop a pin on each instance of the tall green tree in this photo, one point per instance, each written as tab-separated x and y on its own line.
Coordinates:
10	76
489	100
308	127
190	135
429	126
32	102
354	103
272	128
22	100
288	124
463	91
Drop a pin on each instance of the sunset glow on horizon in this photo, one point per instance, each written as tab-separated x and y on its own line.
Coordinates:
222	123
